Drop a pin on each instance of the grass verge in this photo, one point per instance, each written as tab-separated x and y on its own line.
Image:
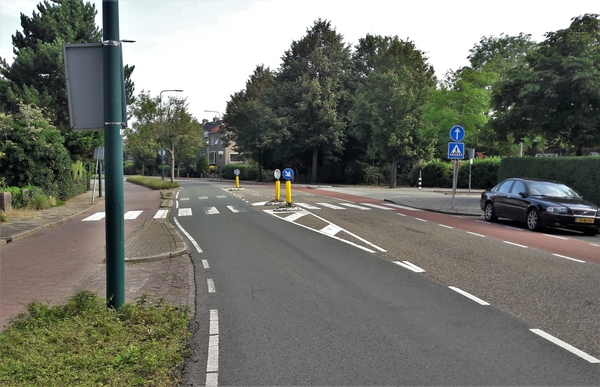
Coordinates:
152	182
85	343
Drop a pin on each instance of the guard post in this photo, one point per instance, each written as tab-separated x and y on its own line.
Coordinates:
288	175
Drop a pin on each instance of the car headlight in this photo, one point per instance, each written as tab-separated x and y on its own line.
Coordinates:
557	210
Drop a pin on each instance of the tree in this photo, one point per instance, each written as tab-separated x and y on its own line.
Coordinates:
33	153
387	110
250	121
311	91
142	138
556	93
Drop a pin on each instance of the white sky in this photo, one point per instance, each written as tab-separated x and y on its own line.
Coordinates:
209	48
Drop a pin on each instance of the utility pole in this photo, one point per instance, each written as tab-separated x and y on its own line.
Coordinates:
113	122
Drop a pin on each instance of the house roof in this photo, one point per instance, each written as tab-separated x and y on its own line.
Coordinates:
212	126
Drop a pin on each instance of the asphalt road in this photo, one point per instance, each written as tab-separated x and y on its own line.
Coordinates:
347	295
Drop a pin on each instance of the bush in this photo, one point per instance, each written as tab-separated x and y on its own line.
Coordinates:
152	182
437	173
484	173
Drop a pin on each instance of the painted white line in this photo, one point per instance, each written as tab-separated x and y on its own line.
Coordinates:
353	235
468	295
402	207
566	346
202	197
421	220
176	204
221	196
330	229
474	233
594	244
210	210
401	214
483	221
182	199
96	216
184	212
556	236
161	214
212	363
515	244
205	264
132	214
515	228
211	285
565	257
352	205
307	206
236	209
443	225
409	266
214	322
212	379
377	206
258	204
177	194
332	206
295	216
198	249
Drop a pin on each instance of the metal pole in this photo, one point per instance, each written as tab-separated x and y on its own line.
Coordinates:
115	245
100	180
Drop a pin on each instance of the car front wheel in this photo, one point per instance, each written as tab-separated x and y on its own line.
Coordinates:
533	220
489	214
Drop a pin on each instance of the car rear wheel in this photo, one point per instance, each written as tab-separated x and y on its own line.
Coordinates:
591	232
488	213
533	220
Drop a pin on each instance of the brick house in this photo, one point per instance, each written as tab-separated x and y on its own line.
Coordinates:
217	154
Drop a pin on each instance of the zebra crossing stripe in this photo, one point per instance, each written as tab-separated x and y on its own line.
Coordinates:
352	205
236	209
307	206
184	212
161	214
210	210
132	214
377	206
202	197
332	206
96	216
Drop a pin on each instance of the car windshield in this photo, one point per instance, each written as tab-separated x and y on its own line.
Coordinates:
552	189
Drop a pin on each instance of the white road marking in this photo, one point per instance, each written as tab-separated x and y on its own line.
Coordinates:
402	207
443	225
307	206
330	229
214	322
210	210
594	244
566	346
184	212
565	257
332	206
182	199
515	228
410	266
468	295
132	214
203	197
211	285
474	233
352	205
221	196
212	363
205	264
556	236
236	209
212	379
258	204
198	249
515	244
420	220
161	214
96	216
176	204
377	206
401	214
295	216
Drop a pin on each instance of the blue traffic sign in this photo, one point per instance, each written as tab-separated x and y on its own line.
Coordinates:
457	133
288	173
456	150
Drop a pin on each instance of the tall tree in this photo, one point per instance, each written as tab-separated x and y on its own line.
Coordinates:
556	93
311	91
142	138
249	119
388	108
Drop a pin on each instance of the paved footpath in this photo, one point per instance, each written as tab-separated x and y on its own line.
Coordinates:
48	256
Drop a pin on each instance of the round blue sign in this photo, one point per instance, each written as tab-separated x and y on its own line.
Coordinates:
457	133
288	173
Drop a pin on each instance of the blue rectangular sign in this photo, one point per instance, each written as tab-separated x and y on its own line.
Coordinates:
456	150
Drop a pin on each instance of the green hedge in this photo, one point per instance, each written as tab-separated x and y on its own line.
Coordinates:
580	173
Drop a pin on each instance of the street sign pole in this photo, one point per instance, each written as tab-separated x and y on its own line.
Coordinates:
113	122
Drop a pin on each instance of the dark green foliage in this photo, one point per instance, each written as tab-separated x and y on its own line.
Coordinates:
152	182
484	173
580	173
437	173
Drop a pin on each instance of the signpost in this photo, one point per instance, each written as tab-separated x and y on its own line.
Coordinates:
456	151
277	175
288	175
236	172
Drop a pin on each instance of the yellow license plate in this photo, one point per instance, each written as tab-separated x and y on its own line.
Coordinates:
584	220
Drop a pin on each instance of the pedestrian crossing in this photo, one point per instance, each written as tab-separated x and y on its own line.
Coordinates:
211	210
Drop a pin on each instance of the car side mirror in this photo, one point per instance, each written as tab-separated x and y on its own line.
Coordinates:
523	194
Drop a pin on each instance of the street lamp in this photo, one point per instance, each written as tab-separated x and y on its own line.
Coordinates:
162	150
214	111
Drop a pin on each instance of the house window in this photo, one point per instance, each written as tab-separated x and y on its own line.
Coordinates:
212	157
235	158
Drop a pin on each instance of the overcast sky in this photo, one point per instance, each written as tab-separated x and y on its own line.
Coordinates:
209	48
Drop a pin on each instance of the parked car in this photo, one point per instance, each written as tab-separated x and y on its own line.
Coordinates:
540	203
